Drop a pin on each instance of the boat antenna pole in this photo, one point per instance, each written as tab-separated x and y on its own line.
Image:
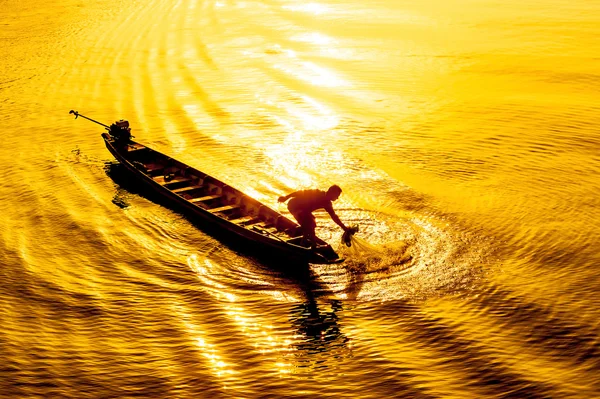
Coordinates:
89	119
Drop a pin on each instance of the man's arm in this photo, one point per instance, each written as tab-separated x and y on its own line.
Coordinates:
287	197
335	218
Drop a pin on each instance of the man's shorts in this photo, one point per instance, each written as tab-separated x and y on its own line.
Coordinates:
306	220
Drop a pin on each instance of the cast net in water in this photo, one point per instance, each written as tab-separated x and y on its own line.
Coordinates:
364	256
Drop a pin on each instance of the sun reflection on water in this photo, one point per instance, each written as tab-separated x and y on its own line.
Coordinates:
301	149
290	158
266	339
309	8
219	367
314	74
318	117
314	38
313	332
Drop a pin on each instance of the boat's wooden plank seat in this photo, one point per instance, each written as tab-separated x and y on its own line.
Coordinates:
224	208
175	180
154	166
135	147
243	220
265	225
205	198
154	169
185	189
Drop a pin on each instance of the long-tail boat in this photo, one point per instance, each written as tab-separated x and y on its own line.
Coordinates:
213	201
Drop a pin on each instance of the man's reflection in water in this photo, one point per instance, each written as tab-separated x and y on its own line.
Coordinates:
318	332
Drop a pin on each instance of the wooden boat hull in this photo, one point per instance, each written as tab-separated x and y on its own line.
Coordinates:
217	205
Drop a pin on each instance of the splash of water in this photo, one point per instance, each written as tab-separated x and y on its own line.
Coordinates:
362	256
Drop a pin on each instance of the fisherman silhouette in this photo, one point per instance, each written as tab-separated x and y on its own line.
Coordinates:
304	202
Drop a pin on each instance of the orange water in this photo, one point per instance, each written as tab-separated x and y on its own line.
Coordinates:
465	135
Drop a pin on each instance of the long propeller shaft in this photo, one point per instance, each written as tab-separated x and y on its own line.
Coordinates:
89	119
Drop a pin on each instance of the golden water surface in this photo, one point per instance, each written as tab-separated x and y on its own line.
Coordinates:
464	134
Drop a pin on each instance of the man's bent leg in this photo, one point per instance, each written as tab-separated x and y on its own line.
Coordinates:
309	230
308	224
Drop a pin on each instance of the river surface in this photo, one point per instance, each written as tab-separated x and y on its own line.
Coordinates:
465	135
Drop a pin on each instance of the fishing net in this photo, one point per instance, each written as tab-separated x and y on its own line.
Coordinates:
360	247
361	255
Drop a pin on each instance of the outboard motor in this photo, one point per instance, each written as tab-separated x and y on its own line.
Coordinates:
120	130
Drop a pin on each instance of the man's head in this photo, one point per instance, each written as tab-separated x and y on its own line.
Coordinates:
334	192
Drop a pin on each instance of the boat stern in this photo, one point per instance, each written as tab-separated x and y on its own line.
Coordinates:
324	254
